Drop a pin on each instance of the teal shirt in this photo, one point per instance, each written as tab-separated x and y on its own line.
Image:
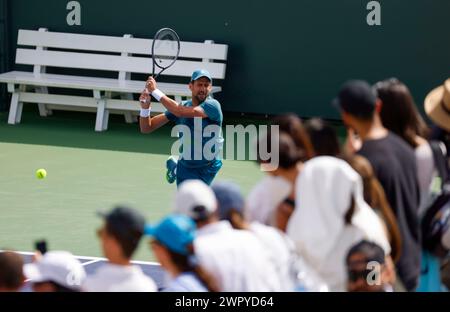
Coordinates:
193	154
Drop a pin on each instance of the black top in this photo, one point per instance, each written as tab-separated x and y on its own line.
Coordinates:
394	164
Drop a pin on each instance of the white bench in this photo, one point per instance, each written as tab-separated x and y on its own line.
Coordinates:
123	55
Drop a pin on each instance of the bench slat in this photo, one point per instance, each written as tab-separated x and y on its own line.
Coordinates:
112	63
116	44
90	83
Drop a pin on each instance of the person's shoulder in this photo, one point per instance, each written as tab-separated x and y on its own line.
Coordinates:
400	145
213	102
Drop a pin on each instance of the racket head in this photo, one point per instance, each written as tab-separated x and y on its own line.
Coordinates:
165	49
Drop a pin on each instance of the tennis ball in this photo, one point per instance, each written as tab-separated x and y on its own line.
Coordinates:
41	174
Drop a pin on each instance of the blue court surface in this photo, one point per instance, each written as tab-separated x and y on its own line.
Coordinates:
91	264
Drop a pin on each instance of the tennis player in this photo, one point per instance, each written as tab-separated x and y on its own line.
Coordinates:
200	120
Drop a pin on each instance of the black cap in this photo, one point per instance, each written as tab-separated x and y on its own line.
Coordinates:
357	98
370	250
124	222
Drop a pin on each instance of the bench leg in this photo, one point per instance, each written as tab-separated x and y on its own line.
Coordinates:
105	119
43	111
15	111
102	115
129	118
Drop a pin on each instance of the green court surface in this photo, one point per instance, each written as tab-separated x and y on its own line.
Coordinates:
87	171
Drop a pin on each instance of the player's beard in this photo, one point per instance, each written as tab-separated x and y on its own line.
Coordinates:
201	97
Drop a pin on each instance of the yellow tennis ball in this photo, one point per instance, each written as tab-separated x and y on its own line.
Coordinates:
41	173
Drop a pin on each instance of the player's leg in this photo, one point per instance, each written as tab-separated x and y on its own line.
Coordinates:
210	172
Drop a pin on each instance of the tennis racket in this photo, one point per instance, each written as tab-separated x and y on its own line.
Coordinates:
165	51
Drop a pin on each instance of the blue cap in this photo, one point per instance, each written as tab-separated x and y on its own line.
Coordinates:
228	197
199	74
176	232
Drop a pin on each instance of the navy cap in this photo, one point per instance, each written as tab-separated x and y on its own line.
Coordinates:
124	222
199	74
229	197
357	98
176	232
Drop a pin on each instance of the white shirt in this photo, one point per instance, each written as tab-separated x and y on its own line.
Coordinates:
236	258
281	252
119	278
265	197
186	282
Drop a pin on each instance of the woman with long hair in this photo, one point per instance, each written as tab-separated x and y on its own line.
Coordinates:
272	200
400	115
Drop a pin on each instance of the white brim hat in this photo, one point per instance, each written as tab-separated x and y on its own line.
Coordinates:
437	106
60	267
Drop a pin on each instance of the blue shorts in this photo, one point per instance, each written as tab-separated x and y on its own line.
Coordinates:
206	173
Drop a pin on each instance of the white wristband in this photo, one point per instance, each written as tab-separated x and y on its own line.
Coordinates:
157	94
145	113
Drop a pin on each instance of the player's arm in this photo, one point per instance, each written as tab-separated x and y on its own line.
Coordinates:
175	108
149	124
180	110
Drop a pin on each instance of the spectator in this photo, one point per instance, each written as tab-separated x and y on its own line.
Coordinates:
289	167
281	249
367	270
292	125
237	260
331	217
56	271
437	106
323	138
120	235
173	247
375	197
400	116
11	272
272	191
394	164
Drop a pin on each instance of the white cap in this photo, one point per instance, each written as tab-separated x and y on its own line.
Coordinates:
60	267
195	199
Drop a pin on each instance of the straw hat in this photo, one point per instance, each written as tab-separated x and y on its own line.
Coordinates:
437	105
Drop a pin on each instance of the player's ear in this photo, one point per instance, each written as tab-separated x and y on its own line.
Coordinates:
191	85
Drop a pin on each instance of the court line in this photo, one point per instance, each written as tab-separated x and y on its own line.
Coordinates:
91	259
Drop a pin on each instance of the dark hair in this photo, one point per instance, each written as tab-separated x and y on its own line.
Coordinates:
128	243
58	287
185	265
370	250
375	196
289	154
11	270
399	112
351	211
292	125
323	138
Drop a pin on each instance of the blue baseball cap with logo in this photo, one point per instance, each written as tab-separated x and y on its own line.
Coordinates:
199	74
176	232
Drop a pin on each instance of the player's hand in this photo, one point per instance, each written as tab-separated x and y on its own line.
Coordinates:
145	99
151	84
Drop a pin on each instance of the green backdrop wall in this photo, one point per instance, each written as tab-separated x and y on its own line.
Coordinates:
284	55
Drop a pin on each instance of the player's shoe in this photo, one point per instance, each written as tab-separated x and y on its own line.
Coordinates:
171	165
